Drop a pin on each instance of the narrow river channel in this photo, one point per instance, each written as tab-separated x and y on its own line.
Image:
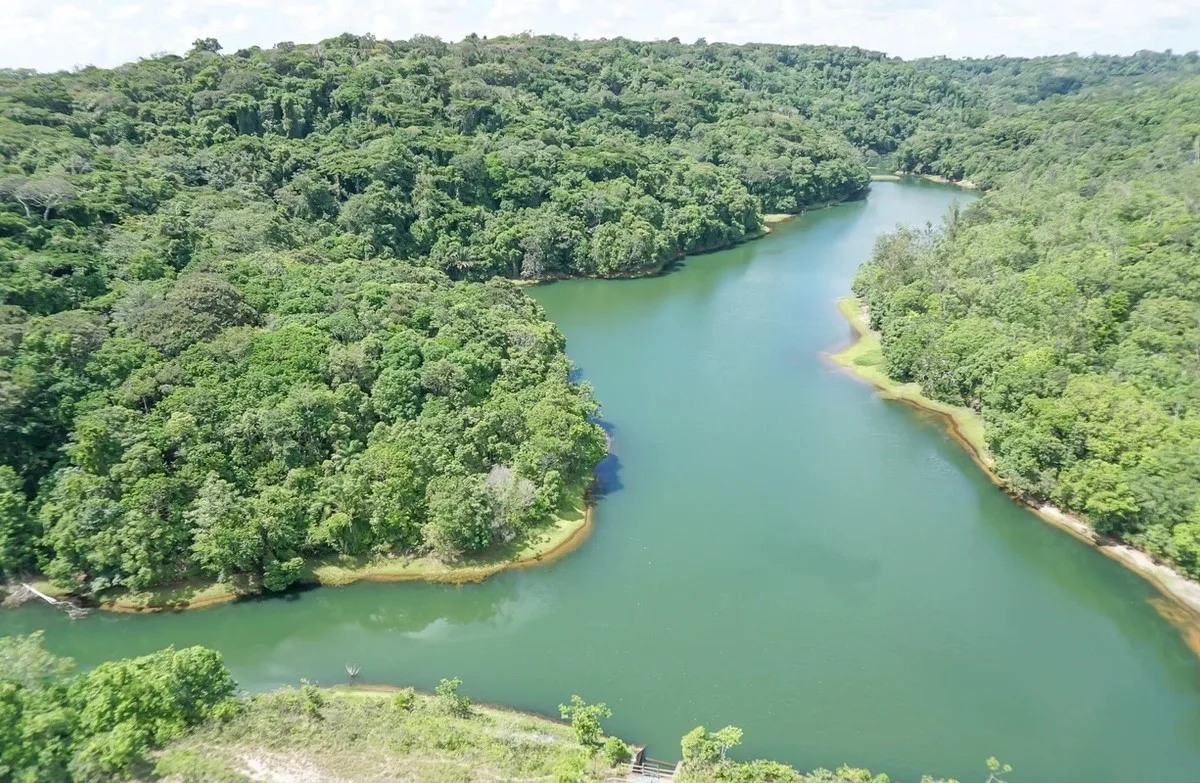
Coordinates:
778	549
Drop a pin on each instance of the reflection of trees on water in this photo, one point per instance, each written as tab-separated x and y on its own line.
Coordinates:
371	626
416	608
608	472
311	634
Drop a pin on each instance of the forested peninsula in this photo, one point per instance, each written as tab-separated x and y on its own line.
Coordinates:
258	306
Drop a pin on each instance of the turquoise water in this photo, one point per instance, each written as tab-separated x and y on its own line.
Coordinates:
777	548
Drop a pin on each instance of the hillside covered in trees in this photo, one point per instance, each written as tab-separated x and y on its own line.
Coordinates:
250	313
1065	304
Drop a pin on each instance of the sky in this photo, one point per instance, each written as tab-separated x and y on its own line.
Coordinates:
54	35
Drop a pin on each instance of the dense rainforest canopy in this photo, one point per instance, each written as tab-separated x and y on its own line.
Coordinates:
244	313
1065	305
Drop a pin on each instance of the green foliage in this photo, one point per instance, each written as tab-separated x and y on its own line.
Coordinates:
704	761
1065	306
451	701
704	748
364	737
25	661
244	323
311	699
996	769
585	719
281	574
615	751
405	699
15	526
570	769
100	724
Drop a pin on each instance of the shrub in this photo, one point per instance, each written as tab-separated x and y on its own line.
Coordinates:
585	719
616	751
451	700
404	700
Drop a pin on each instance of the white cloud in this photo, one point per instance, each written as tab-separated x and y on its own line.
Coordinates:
104	32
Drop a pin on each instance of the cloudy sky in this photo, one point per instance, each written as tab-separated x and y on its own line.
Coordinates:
49	34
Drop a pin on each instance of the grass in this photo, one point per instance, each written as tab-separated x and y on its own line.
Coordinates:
367	734
558	536
864	358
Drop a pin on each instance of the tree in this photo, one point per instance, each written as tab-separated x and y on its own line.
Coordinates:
13	186
461	515
996	769
99	725
25	661
49	193
225	539
16	528
205	46
585	719
703	748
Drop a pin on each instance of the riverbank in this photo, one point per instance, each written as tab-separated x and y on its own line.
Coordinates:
559	536
347	734
958	183
864	359
358	734
769	219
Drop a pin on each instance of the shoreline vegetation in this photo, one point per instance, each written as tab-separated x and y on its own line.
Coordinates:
863	358
768	219
546	543
178	715
347	733
558	537
900	176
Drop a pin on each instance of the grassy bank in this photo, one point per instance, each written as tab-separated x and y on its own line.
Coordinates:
558	536
346	735
864	359
359	734
958	183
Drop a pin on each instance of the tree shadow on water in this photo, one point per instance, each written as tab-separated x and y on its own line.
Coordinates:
608	470
292	592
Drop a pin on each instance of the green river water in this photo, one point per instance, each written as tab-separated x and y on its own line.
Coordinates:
777	548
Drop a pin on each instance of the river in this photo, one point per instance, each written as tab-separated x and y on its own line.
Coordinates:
777	548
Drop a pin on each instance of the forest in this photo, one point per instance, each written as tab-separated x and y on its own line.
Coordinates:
1065	305
258	307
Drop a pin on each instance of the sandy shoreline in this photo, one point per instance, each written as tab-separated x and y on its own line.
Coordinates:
1184	593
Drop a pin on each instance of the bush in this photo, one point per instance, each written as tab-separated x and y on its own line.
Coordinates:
451	700
404	700
585	719
572	769
311	699
616	751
